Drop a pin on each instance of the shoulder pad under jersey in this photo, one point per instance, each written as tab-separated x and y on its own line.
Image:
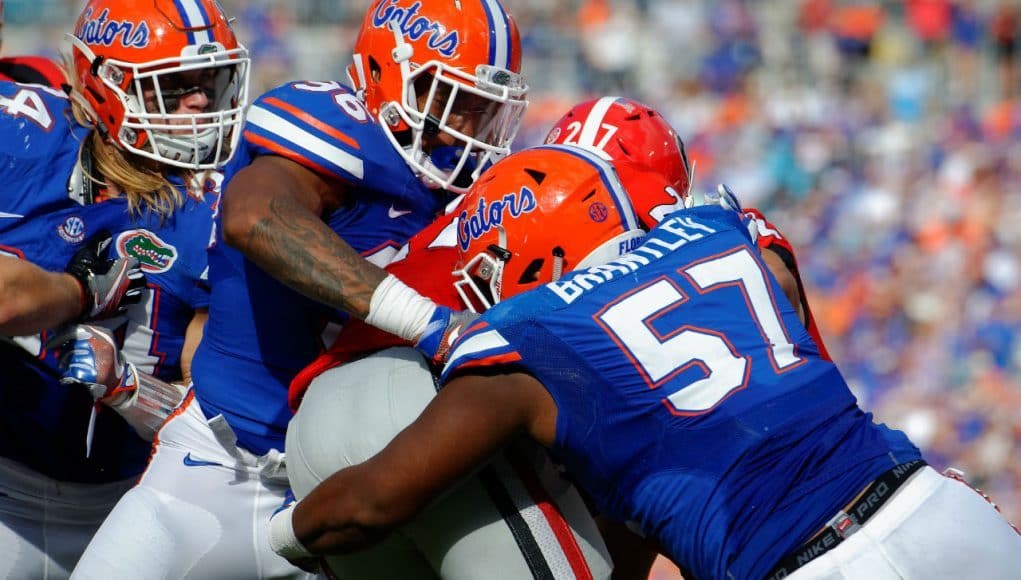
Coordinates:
39	148
35	121
325	127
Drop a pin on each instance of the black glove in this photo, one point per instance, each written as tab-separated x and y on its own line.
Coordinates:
108	286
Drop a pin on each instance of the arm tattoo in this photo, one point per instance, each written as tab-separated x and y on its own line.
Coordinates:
296	247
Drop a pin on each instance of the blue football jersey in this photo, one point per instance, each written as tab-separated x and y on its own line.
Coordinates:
261	333
44	423
691	400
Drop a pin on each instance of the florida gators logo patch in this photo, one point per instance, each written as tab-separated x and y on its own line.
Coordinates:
153	254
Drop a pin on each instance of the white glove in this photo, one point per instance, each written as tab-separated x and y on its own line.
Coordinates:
722	197
726	199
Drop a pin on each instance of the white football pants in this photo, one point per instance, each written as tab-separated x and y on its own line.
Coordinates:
201	510
45	524
515	518
933	528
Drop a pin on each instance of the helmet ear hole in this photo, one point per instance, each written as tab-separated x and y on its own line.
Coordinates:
375	71
531	274
536	175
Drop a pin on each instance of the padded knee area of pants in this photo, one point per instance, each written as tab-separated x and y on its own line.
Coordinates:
165	534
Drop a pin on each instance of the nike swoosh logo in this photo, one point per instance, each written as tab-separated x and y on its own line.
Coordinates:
197	462
4	214
394	213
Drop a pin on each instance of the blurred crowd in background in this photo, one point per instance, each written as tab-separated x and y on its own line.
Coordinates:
883	138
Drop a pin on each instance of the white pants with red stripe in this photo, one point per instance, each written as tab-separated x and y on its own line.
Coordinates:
515	518
200	511
933	528
45	524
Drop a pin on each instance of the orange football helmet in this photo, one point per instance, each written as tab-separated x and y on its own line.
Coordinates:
442	67
621	129
140	61
536	214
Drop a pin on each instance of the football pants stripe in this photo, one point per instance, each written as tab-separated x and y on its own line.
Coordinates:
517	525
565	551
540	530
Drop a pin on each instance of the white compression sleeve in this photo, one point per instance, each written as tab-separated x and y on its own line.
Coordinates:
149	405
399	309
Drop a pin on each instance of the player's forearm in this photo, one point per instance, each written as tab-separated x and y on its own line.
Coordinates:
272	213
33	299
336	518
781	271
192	338
299	249
293	244
149	403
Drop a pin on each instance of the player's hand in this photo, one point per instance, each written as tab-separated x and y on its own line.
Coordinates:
108	286
91	359
727	199
722	197
443	329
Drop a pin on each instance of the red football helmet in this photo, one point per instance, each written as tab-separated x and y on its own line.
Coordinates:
622	129
140	61
451	68
536	214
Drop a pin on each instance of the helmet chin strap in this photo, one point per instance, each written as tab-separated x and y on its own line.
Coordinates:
558	263
402	51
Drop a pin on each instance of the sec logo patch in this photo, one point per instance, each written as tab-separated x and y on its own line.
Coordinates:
598	212
72	230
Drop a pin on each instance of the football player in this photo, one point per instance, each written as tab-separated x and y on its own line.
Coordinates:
157	99
624	129
329	181
657	181
681	391
29	69
519	510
